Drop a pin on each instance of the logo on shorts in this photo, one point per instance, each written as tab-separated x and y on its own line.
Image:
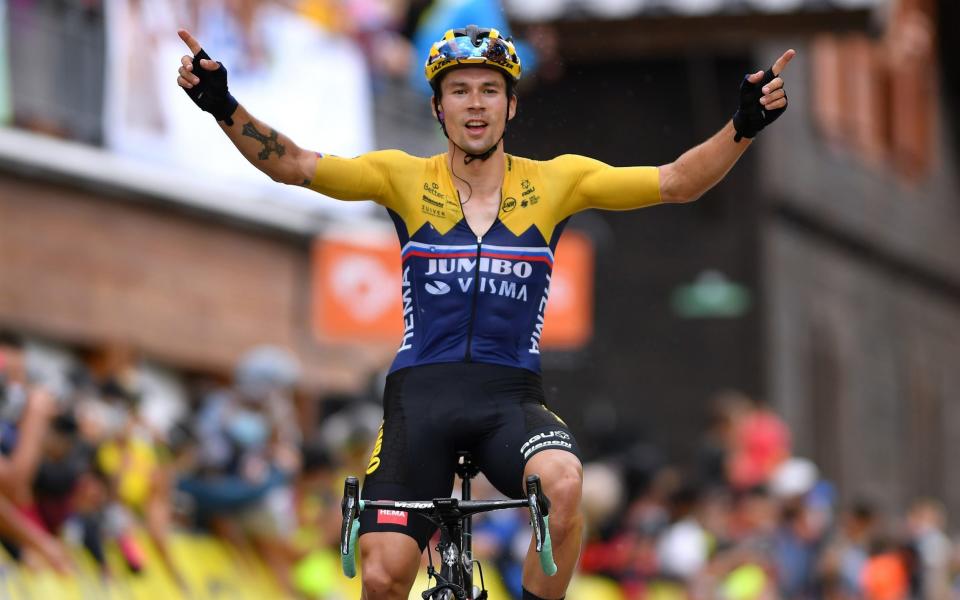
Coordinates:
548	439
375	457
392	517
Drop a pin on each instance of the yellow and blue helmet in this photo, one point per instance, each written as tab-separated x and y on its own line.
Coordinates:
469	46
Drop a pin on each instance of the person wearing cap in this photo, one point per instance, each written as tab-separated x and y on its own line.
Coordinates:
478	228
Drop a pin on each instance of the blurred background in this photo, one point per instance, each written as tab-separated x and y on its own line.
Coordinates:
764	383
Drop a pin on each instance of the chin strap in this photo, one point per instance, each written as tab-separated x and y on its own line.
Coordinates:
469	157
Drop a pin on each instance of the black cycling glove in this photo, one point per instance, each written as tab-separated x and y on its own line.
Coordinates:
751	117
211	94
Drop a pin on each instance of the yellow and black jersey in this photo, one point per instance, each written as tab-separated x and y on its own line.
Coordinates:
467	297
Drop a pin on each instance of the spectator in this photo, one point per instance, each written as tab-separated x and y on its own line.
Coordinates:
847	555
761	441
796	546
683	549
66	458
716	444
926	520
885	574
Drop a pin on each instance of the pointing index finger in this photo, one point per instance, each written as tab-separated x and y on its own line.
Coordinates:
189	40
781	63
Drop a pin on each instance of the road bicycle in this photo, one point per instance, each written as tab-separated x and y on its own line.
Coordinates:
453	517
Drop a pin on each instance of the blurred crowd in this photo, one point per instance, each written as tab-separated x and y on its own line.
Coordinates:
751	521
84	465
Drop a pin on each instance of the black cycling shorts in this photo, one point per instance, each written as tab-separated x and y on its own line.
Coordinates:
431	412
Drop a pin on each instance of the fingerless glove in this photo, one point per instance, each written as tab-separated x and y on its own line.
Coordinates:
211	94
752	117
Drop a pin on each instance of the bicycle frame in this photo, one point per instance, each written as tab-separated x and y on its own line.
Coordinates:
453	518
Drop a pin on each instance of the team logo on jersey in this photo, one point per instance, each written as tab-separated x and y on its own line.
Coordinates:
509	204
428	200
537	332
529	195
504	271
435	203
437	288
495	266
432	207
408	317
433	188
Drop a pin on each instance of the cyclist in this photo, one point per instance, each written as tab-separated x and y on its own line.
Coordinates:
477	229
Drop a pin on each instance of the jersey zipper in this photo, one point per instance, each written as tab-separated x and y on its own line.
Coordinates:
473	310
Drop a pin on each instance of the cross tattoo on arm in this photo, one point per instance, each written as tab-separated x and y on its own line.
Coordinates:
270	143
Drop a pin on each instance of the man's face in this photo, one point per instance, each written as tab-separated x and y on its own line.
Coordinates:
474	107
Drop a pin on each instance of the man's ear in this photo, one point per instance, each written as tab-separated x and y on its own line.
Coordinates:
436	108
512	107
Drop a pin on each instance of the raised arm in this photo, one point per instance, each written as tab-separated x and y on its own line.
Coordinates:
762	100
268	150
598	185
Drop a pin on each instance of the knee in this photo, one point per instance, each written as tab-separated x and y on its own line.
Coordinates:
564	487
379	582
388	567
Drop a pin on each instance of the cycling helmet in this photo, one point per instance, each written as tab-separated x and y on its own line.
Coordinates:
472	45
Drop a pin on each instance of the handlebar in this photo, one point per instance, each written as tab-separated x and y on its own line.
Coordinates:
351	506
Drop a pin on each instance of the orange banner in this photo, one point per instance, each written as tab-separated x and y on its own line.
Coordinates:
568	322
356	291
